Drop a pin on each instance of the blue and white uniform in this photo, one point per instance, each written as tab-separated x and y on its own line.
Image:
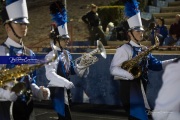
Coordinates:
167	105
57	72
21	106
132	90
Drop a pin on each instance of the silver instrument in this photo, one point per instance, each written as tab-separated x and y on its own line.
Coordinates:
87	59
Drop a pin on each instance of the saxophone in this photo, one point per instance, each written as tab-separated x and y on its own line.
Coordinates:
10	75
132	66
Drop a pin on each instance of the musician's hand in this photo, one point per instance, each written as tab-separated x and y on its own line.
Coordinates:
45	92
69	85
9	95
128	75
13	96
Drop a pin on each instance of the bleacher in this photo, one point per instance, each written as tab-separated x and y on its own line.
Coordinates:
163	8
160	8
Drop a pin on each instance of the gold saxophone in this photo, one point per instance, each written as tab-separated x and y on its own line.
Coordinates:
10	75
132	66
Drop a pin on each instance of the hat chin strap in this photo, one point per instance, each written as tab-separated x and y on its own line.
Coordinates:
14	31
134	37
60	44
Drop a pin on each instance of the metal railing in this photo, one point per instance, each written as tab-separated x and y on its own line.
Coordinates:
72	48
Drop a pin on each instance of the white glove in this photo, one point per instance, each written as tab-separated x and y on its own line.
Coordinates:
10	96
120	73
13	97
69	85
43	93
128	75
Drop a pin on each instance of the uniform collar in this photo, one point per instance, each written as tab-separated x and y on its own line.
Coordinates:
9	42
57	48
134	44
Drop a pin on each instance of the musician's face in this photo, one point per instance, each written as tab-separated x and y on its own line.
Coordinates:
20	29
137	34
64	43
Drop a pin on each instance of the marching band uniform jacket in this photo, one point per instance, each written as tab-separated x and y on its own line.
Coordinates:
9	101
167	105
65	62
127	52
57	72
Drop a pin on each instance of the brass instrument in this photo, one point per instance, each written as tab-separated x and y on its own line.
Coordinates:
83	62
132	66
10	75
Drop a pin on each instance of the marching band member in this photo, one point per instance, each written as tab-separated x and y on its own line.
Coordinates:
59	71
17	106
167	106
132	93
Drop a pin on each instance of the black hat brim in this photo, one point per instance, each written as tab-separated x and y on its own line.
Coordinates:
138	28
21	20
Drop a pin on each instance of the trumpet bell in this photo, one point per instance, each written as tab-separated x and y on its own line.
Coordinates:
101	48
